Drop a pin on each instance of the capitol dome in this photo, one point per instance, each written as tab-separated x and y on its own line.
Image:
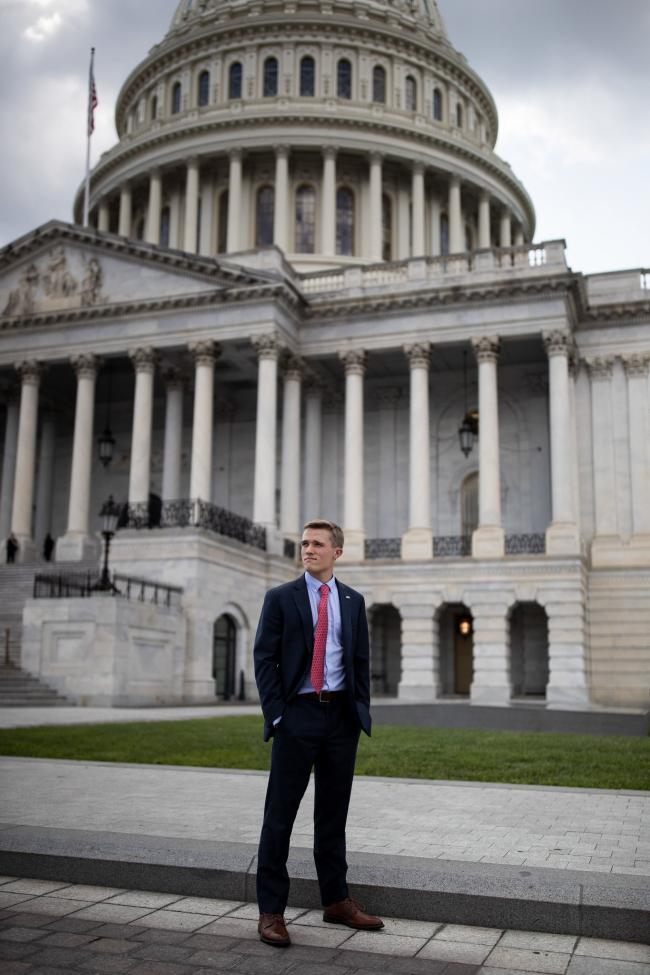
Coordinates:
348	131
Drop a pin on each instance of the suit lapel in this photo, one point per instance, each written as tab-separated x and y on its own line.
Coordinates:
301	599
346	620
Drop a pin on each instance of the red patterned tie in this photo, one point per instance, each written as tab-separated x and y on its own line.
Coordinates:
320	642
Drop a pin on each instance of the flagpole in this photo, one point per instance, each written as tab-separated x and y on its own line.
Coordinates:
89	132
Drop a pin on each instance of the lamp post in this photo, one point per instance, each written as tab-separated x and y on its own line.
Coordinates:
468	430
109	513
106	442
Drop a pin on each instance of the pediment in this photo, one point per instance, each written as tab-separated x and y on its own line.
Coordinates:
62	268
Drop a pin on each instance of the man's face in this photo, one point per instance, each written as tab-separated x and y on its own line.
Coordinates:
318	553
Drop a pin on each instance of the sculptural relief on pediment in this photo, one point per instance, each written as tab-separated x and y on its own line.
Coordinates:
49	284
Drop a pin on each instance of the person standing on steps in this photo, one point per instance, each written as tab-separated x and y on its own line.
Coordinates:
12	547
313	675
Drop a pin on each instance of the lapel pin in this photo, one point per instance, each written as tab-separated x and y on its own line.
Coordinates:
347	597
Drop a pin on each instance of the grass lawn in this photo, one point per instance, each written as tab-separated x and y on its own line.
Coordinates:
590	761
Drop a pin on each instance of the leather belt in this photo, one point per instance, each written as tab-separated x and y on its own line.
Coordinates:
324	697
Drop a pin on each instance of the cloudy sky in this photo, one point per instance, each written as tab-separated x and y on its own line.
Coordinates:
571	79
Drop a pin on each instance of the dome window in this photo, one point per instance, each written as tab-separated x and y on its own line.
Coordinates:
165	223
386	228
176	98
444	235
344	79
379	85
410	94
305	220
307	77
204	89
153	108
437	104
344	221
270	89
459	115
222	230
264	216
235	80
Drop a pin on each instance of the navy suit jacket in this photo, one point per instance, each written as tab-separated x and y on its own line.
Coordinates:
284	644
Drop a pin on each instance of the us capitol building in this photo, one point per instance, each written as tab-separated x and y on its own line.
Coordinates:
310	287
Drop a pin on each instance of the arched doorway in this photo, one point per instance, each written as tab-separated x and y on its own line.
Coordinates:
529	667
224	649
456	631
385	650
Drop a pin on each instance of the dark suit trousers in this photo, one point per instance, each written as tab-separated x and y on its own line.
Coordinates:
323	737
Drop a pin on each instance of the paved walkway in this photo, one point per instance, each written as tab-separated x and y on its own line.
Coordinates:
57	928
31	717
580	829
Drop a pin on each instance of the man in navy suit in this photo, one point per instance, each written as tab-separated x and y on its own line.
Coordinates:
313	675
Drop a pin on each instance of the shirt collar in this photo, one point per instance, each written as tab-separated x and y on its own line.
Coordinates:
315	585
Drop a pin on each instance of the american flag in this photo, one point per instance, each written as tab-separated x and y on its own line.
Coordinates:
92	96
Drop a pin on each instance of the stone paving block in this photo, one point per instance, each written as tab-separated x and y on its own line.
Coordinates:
213	959
6	880
112	912
12	950
600	948
53	906
160	968
177	920
21	935
144	898
16	968
158	936
232	927
272	964
547	962
10	900
539	942
584	965
161	952
107	964
15	919
377	941
113	946
88	892
252	912
34	887
49	970
207	905
332	936
63	957
61	939
455	951
116	930
73	925
469	935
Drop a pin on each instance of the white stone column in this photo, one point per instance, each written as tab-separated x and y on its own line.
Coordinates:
353	496
636	369
313	449
191	206
173	443
420	677
233	242
8	466
45	478
505	229
77	544
484	229
290	465
562	536
491	683
21	512
267	348
124	225
417	203
488	541
205	355
435	226
455	214
281	203
417	542
374	208
154	209
328	207
604	468
144	361
103	217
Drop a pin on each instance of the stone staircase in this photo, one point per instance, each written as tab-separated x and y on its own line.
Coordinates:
17	687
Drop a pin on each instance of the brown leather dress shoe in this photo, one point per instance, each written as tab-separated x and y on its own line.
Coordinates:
348	912
272	930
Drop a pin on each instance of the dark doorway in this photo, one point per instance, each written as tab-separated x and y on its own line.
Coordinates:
385	650
456	629
224	649
529	668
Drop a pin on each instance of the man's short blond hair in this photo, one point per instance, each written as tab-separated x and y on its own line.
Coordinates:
336	532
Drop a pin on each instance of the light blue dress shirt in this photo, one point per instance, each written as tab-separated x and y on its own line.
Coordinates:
334	677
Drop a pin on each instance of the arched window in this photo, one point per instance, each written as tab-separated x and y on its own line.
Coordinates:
234	80
204	88
224	653
444	234
469	505
379	84
176	98
305	220
410	94
386	228
437	104
153	108
165	218
222	227
344	79
264	216
344	221
459	115
307	76
270	89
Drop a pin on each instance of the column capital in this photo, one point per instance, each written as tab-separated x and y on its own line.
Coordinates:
600	366
281	150
418	167
636	363
558	341
454	179
376	158
266	346
85	366
144	359
485	196
418	354
486	348
330	152
235	155
205	353
30	371
173	377
294	368
354	361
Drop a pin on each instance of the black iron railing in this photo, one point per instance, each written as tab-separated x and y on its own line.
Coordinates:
452	546
83	585
526	544
383	548
188	513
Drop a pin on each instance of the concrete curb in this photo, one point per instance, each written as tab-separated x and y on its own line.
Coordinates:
456	892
